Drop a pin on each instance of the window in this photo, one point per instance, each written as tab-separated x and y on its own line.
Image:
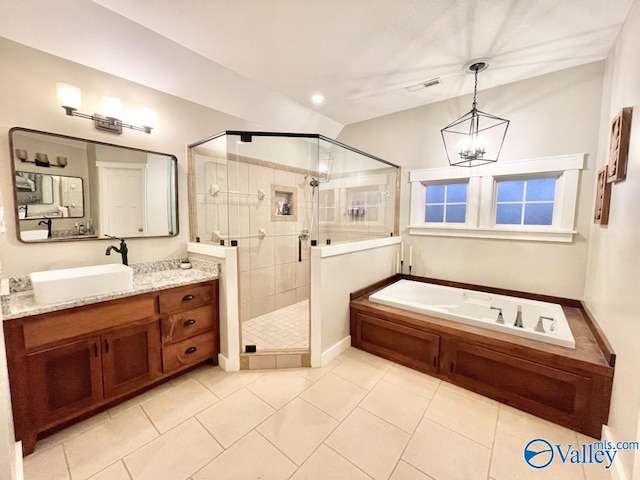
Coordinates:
525	202
522	200
446	203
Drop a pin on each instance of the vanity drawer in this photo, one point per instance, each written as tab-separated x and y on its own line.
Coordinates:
189	351
179	326
65	324
184	298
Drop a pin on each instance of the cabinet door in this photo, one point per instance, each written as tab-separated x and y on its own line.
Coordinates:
130	357
64	381
556	395
409	346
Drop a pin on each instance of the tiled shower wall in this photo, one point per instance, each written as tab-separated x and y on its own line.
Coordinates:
271	277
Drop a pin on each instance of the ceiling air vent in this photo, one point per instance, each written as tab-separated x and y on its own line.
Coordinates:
425	84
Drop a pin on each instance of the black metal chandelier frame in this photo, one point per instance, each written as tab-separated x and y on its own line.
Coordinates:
479	122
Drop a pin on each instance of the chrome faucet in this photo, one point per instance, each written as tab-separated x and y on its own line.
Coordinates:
540	325
500	318
46	222
123	250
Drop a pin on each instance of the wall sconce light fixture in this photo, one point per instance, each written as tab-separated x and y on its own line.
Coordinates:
70	98
41	160
476	138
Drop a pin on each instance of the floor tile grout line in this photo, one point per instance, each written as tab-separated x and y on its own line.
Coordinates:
66	461
343	457
493	444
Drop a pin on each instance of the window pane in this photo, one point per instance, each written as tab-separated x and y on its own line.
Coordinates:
435	194
456	192
538	213
456	213
541	189
434	213
510	191
509	214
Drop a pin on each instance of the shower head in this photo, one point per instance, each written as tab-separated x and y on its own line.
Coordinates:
314	183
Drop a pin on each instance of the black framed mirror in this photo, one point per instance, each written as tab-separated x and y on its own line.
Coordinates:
68	188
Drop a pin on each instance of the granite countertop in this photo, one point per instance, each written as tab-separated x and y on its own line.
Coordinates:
16	294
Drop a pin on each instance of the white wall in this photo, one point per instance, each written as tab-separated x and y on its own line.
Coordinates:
611	291
8	467
550	115
30	77
334	275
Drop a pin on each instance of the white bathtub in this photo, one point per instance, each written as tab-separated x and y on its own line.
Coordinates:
474	308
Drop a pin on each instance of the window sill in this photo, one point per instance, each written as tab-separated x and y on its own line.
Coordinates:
502	233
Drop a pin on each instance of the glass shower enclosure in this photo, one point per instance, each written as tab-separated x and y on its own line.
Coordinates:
274	196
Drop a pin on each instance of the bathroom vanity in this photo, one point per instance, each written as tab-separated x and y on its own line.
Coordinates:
69	363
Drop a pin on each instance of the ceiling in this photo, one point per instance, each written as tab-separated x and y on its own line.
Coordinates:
360	54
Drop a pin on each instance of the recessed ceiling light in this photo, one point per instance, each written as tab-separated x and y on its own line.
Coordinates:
317	99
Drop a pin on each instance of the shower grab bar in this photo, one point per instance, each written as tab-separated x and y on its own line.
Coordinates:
214	190
261	234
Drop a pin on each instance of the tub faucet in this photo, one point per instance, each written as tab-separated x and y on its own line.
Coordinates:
540	325
500	318
123	250
46	222
518	322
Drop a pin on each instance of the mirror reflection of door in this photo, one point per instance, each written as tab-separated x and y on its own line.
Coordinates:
122	199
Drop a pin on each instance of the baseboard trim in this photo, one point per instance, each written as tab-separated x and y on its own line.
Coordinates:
616	470
227	365
335	350
19	473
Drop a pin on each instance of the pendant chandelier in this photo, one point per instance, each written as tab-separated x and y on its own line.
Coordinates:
476	138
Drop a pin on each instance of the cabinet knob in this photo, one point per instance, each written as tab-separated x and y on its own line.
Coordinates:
186	298
191	321
190	350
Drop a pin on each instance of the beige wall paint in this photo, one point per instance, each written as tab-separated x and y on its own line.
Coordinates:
29	100
30	77
550	115
611	290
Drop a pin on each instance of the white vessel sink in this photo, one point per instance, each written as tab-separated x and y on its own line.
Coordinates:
72	283
34	234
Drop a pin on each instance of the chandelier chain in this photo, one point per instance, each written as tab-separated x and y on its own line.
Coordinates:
475	89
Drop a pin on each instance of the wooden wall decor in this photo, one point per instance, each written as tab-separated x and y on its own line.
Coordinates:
619	145
603	198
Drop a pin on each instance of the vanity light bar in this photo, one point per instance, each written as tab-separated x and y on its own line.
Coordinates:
70	99
41	160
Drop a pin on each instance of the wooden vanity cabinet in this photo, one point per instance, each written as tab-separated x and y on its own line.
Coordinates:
70	363
64	380
130	358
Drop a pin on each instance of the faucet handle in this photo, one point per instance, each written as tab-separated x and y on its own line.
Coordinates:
500	318
114	237
540	325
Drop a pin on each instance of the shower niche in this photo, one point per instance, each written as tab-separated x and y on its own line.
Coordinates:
284	203
273	196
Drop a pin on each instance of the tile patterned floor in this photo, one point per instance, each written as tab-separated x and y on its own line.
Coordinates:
360	417
287	328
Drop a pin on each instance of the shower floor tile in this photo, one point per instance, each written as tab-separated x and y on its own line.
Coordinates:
287	328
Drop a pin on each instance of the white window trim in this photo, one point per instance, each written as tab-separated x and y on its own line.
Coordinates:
480	220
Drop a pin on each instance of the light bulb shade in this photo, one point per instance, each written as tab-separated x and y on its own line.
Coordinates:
146	117
111	107
474	139
69	96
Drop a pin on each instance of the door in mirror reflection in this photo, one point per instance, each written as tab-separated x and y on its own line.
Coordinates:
99	189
